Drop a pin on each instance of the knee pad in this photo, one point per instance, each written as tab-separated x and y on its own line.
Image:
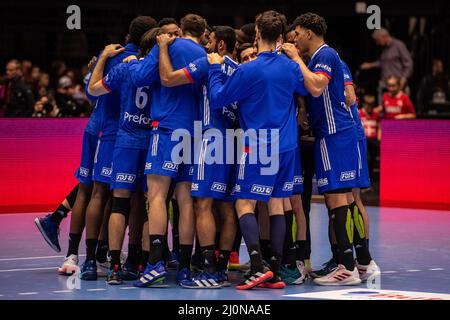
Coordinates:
121	205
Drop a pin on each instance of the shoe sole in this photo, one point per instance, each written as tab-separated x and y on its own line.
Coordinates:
340	283
89	276
44	235
114	282
375	274
267	276
276	285
156	284
68	270
189	287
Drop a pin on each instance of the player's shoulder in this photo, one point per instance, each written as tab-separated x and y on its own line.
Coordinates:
229	61
327	52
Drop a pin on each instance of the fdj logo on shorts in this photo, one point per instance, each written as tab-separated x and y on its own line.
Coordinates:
125	177
259	189
148	165
298	180
220	187
288	186
106	172
84	172
194	187
348	175
322	182
169	165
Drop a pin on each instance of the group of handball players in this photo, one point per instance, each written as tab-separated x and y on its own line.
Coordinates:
158	158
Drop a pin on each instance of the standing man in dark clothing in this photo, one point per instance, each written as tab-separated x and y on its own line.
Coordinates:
19	99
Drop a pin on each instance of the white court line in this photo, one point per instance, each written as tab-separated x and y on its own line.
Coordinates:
436	269
99	289
34	258
127	288
28	269
27	293
413	270
388	272
62	291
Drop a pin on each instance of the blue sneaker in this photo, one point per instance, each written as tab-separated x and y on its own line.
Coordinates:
328	267
49	230
114	276
203	280
172	260
89	270
183	274
129	272
152	275
223	278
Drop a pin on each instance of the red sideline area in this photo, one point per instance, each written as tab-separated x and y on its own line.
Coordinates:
38	159
415	164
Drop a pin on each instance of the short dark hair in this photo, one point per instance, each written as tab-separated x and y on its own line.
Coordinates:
193	24
148	41
165	21
270	25
139	26
241	48
227	35
249	31
313	22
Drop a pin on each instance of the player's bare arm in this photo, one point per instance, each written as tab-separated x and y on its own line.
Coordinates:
314	83
96	87
168	76
350	95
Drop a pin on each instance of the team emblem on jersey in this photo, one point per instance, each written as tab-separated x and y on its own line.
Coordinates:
169	165
260	189
322	182
84	172
106	172
288	186
348	175
218	186
125	177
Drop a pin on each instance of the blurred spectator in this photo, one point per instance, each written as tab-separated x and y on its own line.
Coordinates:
394	59
18	97
46	107
65	102
43	87
370	119
434	88
396	104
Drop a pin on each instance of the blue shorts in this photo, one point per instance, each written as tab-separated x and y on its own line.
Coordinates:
159	158
252	183
363	167
211	179
336	161
298	173
103	161
128	169
88	149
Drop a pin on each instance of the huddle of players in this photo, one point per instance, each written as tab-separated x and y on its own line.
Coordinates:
140	103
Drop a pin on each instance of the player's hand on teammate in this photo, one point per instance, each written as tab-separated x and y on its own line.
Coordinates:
165	39
91	63
291	51
112	49
129	58
215	58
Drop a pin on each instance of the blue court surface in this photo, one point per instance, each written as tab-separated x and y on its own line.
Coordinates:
412	248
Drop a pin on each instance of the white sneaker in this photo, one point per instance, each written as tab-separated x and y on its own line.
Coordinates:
302	270
369	271
340	277
70	265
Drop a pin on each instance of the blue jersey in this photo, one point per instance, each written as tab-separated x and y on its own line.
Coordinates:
348	80
221	118
264	90
109	105
134	123
93	125
328	113
175	107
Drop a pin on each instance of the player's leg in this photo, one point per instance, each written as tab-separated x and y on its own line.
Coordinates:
174	254
264	230
307	160
101	253
49	224
227	238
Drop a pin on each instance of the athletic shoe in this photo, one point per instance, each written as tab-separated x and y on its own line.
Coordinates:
153	274
295	275
328	267
103	269
204	280
49	230
275	283
369	271
70	265
196	264
129	272
172	260
182	275
89	270
340	277
114	277
223	278
252	279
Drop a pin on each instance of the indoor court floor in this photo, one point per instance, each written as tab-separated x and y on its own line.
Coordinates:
412	248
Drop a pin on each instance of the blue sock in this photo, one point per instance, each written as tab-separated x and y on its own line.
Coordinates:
277	235
250	232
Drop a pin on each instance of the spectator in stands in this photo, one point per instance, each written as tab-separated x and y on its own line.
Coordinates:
370	119
43	85
18	97
45	107
394	59
396	104
434	88
64	98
